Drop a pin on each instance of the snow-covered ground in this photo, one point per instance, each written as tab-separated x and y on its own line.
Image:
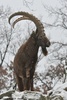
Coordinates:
59	92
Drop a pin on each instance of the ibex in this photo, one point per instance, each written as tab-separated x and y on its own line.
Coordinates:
26	57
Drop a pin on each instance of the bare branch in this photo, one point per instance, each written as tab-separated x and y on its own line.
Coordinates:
28	3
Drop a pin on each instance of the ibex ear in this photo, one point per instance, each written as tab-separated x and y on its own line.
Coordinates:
45	52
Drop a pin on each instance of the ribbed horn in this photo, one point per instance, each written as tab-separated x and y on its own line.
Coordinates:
28	16
19	19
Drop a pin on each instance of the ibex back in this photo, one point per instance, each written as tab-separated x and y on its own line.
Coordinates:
26	57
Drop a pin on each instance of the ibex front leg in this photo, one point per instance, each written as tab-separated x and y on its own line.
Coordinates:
20	83
31	84
31	78
26	79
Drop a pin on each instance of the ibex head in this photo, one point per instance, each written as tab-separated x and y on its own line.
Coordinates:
41	38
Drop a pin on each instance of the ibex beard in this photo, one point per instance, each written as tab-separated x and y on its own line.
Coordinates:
26	57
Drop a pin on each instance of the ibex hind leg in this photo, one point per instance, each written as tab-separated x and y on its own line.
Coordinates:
20	83
26	83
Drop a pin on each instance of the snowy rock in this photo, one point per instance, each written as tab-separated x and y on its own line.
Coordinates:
30	95
57	93
25	95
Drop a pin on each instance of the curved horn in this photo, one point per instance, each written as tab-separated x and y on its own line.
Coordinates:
28	17
19	19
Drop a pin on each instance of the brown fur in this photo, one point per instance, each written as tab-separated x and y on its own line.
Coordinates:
26	57
24	63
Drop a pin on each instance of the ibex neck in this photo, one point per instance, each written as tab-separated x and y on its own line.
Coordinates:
32	46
